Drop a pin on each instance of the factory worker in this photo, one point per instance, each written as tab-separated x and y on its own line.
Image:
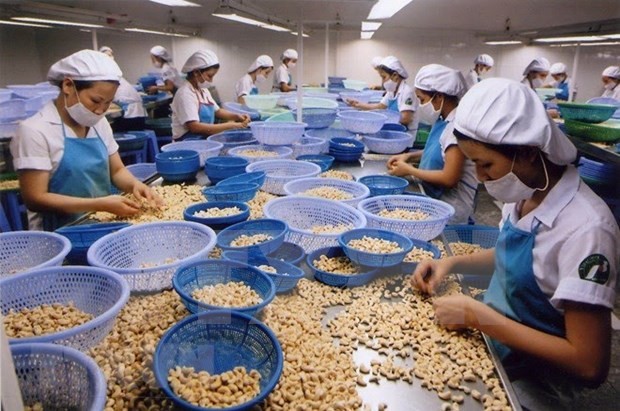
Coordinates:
399	96
611	81
129	99
444	171
257	74
376	65
560	81
554	267
536	73
66	155
283	80
162	60
483	63
193	108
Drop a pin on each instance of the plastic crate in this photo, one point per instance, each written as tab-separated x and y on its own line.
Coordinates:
365	276
357	191
95	291
23	251
362	122
380	185
378	260
284	279
586	113
280	172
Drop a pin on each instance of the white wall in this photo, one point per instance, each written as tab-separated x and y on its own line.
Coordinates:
26	53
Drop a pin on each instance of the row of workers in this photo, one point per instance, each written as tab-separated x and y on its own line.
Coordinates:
554	268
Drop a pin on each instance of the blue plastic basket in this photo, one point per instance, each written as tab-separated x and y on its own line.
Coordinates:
316	117
216	342
199	274
257	177
365	276
142	171
280	172
484	236
83	236
409	267
357	190
322	160
344	145
275	228
439	214
345	157
277	133
178	165
393	117
388	142
129	142
233	138
328	133
380	185
286	277
205	148
12	110
279	152
23	251
393	127
96	291
378	260
309	145
363	122
162	247
289	252
303	213
231	192
221	168
238	108
217	223
58	377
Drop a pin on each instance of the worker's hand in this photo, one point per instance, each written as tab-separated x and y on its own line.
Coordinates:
399	157
153	90
142	192
121	206
243	118
352	103
429	274
456	311
400	168
236	126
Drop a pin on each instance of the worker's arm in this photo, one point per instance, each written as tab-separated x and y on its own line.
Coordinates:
406	117
447	177
226	115
207	129
365	106
241	99
126	182
285	88
168	86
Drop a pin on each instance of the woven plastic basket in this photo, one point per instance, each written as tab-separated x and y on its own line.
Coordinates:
178	165
142	171
439	214
289	252
216	342
484	236
233	138
82	236
286	276
273	228
380	185
23	251
205	148
277	133
309	102
199	274
327	133
606	132
242	192
316	117
303	213
280	172
393	117
96	291
323	161
147	255
221	167
388	142
309	145
586	113
378	260
277	152
362	122
217	223
409	267
59	378
257	177
261	101
357	191
365	275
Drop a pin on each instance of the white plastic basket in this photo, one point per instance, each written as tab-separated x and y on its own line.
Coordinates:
357	190
362	122
280	172
280	152
278	132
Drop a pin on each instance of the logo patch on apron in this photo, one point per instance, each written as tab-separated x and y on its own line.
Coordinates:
595	268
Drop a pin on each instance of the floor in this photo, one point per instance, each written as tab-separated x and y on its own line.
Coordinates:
607	396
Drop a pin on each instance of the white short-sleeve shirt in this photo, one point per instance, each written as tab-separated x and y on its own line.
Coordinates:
407	101
471	79
169	72
185	106
244	86
281	76
575	254
615	93
127	94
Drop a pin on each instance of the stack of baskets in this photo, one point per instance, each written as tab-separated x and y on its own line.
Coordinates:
591	122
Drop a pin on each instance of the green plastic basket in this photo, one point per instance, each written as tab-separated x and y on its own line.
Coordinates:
421	137
265	114
586	113
606	132
287	116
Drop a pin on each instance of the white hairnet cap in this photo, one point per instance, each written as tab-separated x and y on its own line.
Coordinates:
612	71
261	61
289	54
438	78
161	52
394	64
105	49
501	111
85	65
376	61
484	59
200	60
538	64
557	68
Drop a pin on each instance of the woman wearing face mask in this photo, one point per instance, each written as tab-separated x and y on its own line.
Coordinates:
536	73
554	267
376	65
482	64
560	81
398	97
257	74
66	155
283	80
611	81
162	60
193	108
444	171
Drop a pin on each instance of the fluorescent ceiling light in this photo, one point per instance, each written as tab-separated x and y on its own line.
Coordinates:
163	33
17	23
240	19
274	27
61	22
367	35
612	36
568	39
502	42
384	9
230	14
370	25
294	33
176	3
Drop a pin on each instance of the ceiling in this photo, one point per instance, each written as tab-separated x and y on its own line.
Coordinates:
478	16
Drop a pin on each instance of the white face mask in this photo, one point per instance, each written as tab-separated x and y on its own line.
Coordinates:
390	86
609	86
158	64
81	114
428	114
291	65
510	189
204	83
261	78
537	82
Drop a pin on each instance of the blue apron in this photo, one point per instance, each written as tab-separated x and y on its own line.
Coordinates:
84	171
513	291
393	104
290	79
562	95
432	158
206	114
254	91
